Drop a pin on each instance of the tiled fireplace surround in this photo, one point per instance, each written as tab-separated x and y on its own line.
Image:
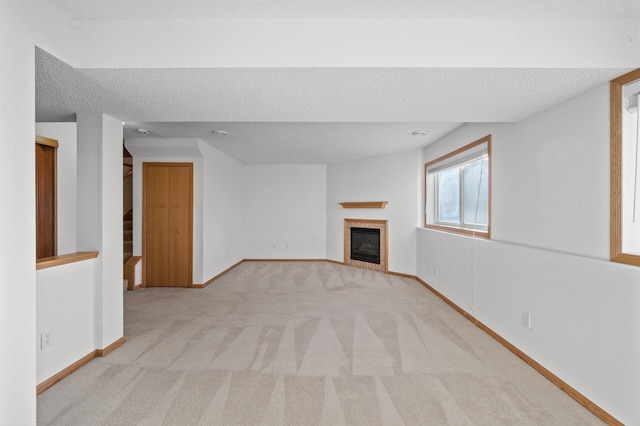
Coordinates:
384	243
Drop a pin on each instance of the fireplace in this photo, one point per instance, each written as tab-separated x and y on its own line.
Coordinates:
369	250
365	244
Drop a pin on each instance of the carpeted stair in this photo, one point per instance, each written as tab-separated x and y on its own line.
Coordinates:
127	236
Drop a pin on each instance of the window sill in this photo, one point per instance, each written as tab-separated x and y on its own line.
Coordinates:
50	262
467	232
629	259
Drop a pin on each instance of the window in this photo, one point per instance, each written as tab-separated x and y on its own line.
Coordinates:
457	190
625	161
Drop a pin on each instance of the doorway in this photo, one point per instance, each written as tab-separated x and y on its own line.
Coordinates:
46	176
167	224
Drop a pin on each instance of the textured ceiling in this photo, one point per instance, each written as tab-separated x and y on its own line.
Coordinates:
352	9
301	143
245	100
306	94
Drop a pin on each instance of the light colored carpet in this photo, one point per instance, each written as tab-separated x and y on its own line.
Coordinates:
304	343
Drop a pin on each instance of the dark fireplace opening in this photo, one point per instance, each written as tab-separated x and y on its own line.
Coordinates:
365	245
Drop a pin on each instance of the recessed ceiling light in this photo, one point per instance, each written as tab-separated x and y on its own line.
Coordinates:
419	133
219	132
143	131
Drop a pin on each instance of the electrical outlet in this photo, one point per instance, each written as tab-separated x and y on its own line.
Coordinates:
46	339
526	320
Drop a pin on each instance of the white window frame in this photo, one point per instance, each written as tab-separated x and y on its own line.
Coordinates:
457	159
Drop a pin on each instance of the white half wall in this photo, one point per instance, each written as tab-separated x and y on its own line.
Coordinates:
548	255
394	178
284	211
66	135
71	325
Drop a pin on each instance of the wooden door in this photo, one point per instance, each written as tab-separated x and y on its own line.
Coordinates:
167	224
45	197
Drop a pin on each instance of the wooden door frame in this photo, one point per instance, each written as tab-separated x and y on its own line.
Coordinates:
144	215
53	144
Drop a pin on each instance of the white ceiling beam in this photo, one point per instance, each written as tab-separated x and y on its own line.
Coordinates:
560	43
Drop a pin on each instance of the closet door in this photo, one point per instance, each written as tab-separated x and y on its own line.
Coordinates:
167	224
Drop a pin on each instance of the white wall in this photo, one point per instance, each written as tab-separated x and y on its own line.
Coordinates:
65	308
169	150
110	260
394	178
280	205
99	226
22	25
284	210
66	135
549	191
411	43
557	167
222	207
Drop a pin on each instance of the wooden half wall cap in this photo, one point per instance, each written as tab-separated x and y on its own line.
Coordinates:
364	204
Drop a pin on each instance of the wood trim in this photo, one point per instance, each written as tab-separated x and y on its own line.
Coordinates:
41	140
64	373
377	221
364	204
629	259
489	193
130	272
50	262
115	345
334	261
474	233
284	260
46	164
468	232
217	276
76	365
460	150
564	386
424	197
616	254
400	274
616	169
